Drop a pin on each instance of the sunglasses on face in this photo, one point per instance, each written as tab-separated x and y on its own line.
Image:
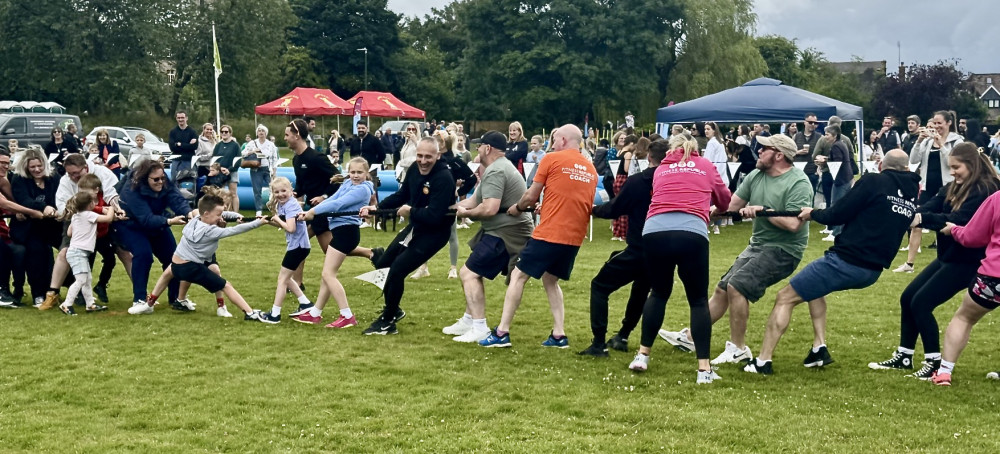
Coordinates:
158	179
811	122
226	132
56	132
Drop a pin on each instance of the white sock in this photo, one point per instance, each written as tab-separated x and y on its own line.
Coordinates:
905	351
946	367
816	349
467	317
303	299
315	311
346	312
761	362
932	356
479	324
276	311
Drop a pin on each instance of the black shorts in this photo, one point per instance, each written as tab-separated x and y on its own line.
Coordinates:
985	291
489	258
540	257
320	224
294	258
198	273
345	238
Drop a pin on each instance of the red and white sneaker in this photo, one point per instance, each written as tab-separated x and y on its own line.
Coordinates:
307	318
941	379
343	322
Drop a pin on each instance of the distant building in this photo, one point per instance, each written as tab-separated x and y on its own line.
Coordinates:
984	87
859	67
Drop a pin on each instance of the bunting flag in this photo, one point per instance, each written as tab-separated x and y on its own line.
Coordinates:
357	113
643	164
473	166
733	167
53	156
870	167
913	167
376	278
614	166
528	168
375	168
834	168
800	165
281	161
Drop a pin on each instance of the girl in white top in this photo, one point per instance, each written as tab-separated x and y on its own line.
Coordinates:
83	237
267	153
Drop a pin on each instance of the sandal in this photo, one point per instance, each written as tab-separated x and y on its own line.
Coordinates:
68	310
96	308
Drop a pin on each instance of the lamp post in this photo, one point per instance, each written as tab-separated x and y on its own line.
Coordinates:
365	49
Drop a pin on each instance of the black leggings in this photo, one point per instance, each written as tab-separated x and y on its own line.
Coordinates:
106	248
403	260
11	263
622	268
934	286
688	253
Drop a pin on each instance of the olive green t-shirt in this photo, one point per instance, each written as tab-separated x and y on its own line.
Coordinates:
789	191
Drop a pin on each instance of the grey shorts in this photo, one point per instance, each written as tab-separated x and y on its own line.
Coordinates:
234	177
79	260
756	269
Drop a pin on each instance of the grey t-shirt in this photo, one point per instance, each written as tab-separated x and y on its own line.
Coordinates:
501	180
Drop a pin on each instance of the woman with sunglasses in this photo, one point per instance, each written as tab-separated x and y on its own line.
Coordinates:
228	152
408	153
60	147
152	206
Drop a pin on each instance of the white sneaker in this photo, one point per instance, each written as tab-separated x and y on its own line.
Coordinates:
223	312
473	335
452	273
993	376
257	214
905	248
640	363
365	225
829	237
715	229
459	328
678	339
140	308
190	305
707	376
826	231
462	226
38	301
925	231
420	272
904	268
732	354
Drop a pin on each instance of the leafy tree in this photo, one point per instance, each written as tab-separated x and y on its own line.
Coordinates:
783	60
300	69
925	89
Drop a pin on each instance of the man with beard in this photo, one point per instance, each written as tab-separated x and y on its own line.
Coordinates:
367	146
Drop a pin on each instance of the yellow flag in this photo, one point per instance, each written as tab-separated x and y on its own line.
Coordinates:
218	60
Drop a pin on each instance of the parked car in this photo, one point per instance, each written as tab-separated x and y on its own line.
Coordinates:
125	137
32	128
395	125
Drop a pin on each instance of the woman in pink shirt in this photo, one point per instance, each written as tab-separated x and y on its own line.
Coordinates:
675	236
984	291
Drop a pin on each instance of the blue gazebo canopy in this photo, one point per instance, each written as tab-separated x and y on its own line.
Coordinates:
761	100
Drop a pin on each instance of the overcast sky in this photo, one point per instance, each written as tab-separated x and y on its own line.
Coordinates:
927	30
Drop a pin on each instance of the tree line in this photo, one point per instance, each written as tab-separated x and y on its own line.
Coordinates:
542	62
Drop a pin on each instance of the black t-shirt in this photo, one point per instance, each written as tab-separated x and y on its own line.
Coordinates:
312	174
934	182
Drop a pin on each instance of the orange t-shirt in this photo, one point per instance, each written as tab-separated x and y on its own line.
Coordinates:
570	181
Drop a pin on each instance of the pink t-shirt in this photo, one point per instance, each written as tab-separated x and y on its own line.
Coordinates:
84	227
981	231
689	187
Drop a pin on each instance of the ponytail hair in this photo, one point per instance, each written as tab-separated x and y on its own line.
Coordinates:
80	202
272	203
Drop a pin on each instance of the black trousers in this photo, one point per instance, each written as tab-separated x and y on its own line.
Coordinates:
106	248
11	263
687	253
622	268
403	260
934	286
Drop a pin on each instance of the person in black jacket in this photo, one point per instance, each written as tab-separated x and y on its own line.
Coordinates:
61	147
955	266
183	141
367	146
314	176
875	213
34	186
627	265
424	198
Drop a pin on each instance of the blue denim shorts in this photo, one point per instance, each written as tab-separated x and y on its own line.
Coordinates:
830	274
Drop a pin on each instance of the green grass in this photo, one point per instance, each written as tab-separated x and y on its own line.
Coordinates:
173	382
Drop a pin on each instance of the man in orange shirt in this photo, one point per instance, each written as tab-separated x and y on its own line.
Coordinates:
569	181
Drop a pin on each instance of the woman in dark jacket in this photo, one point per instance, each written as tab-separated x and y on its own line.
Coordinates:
60	147
974	179
34	186
146	232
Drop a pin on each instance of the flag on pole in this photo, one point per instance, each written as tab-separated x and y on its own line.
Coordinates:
215	51
357	113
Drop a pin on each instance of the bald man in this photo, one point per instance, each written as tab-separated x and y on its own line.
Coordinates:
875	214
569	181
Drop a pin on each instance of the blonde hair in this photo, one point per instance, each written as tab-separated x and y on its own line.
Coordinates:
684	141
364	164
32	153
79	203
516	125
272	204
215	134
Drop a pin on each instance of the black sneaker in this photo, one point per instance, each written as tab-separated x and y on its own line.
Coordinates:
6	299
266	317
253	316
618	343
303	308
376	255
381	328
595	350
753	368
933	245
101	292
96	308
178	305
818	359
925	373
68	310
899	361
400	314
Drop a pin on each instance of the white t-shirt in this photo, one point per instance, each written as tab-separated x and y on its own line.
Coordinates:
84	227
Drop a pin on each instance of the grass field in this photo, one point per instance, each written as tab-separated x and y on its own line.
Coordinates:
192	382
